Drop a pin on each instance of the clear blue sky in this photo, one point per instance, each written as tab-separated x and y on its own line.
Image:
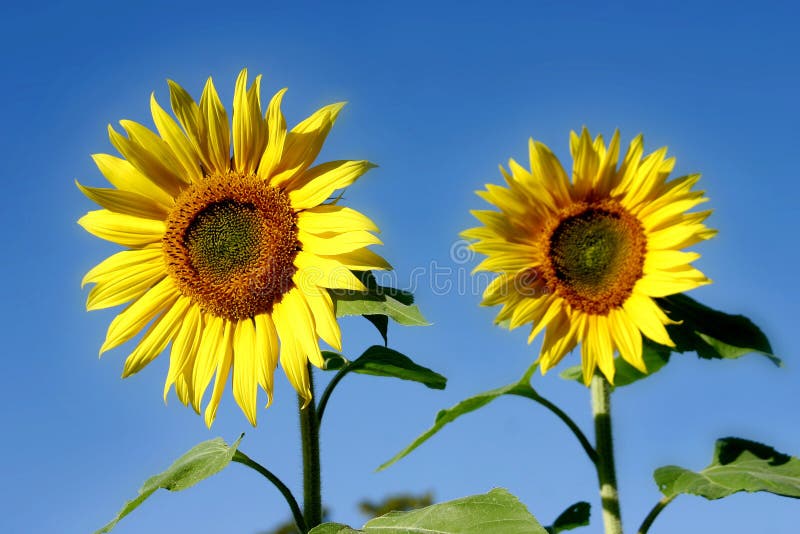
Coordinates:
439	95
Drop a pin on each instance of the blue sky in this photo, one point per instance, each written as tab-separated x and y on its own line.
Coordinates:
438	95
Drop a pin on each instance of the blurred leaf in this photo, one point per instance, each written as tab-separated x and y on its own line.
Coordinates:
395	503
738	465
199	463
496	512
711	333
575	516
655	357
395	304
471	404
333	528
383	361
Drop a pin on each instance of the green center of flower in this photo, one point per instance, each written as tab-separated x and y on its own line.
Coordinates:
230	245
596	254
589	249
224	239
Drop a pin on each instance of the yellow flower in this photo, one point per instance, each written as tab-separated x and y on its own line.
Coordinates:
229	258
583	259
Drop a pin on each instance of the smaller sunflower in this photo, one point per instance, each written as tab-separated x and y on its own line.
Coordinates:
584	259
233	243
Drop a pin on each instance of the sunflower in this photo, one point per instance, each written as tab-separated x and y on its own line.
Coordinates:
229	259
584	259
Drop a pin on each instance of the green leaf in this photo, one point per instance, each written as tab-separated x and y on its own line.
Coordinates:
496	512
712	333
199	463
393	303
383	361
655	357
381	323
333	528
738	465
471	404
575	516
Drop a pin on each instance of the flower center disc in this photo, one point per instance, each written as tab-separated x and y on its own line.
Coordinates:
230	245
595	256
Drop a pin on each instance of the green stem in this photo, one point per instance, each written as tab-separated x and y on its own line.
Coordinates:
243	459
648	521
309	432
606	472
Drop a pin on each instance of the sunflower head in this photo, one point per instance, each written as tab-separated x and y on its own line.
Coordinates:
233	241
583	258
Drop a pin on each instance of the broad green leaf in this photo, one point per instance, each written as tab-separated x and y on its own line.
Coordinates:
393	303
199	463
655	357
575	516
711	333
471	404
383	361
738	465
496	512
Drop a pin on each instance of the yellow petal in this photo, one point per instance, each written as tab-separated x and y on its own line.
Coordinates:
588	349
665	283
648	318
266	352
361	259
123	229
321	305
276	137
627	338
293	358
600	337
208	354
131	320
126	202
192	121
294	309
333	218
304	142
126	177
218	131
320	271
336	243
559	339
245	368
249	128
151	155
107	269
130	284
223	370
184	150
184	348
319	183
157	337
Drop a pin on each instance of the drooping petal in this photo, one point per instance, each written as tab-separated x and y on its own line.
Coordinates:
245	368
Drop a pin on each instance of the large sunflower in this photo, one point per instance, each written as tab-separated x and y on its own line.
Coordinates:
229	258
583	259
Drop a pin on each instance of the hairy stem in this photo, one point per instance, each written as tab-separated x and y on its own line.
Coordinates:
309	432
606	472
